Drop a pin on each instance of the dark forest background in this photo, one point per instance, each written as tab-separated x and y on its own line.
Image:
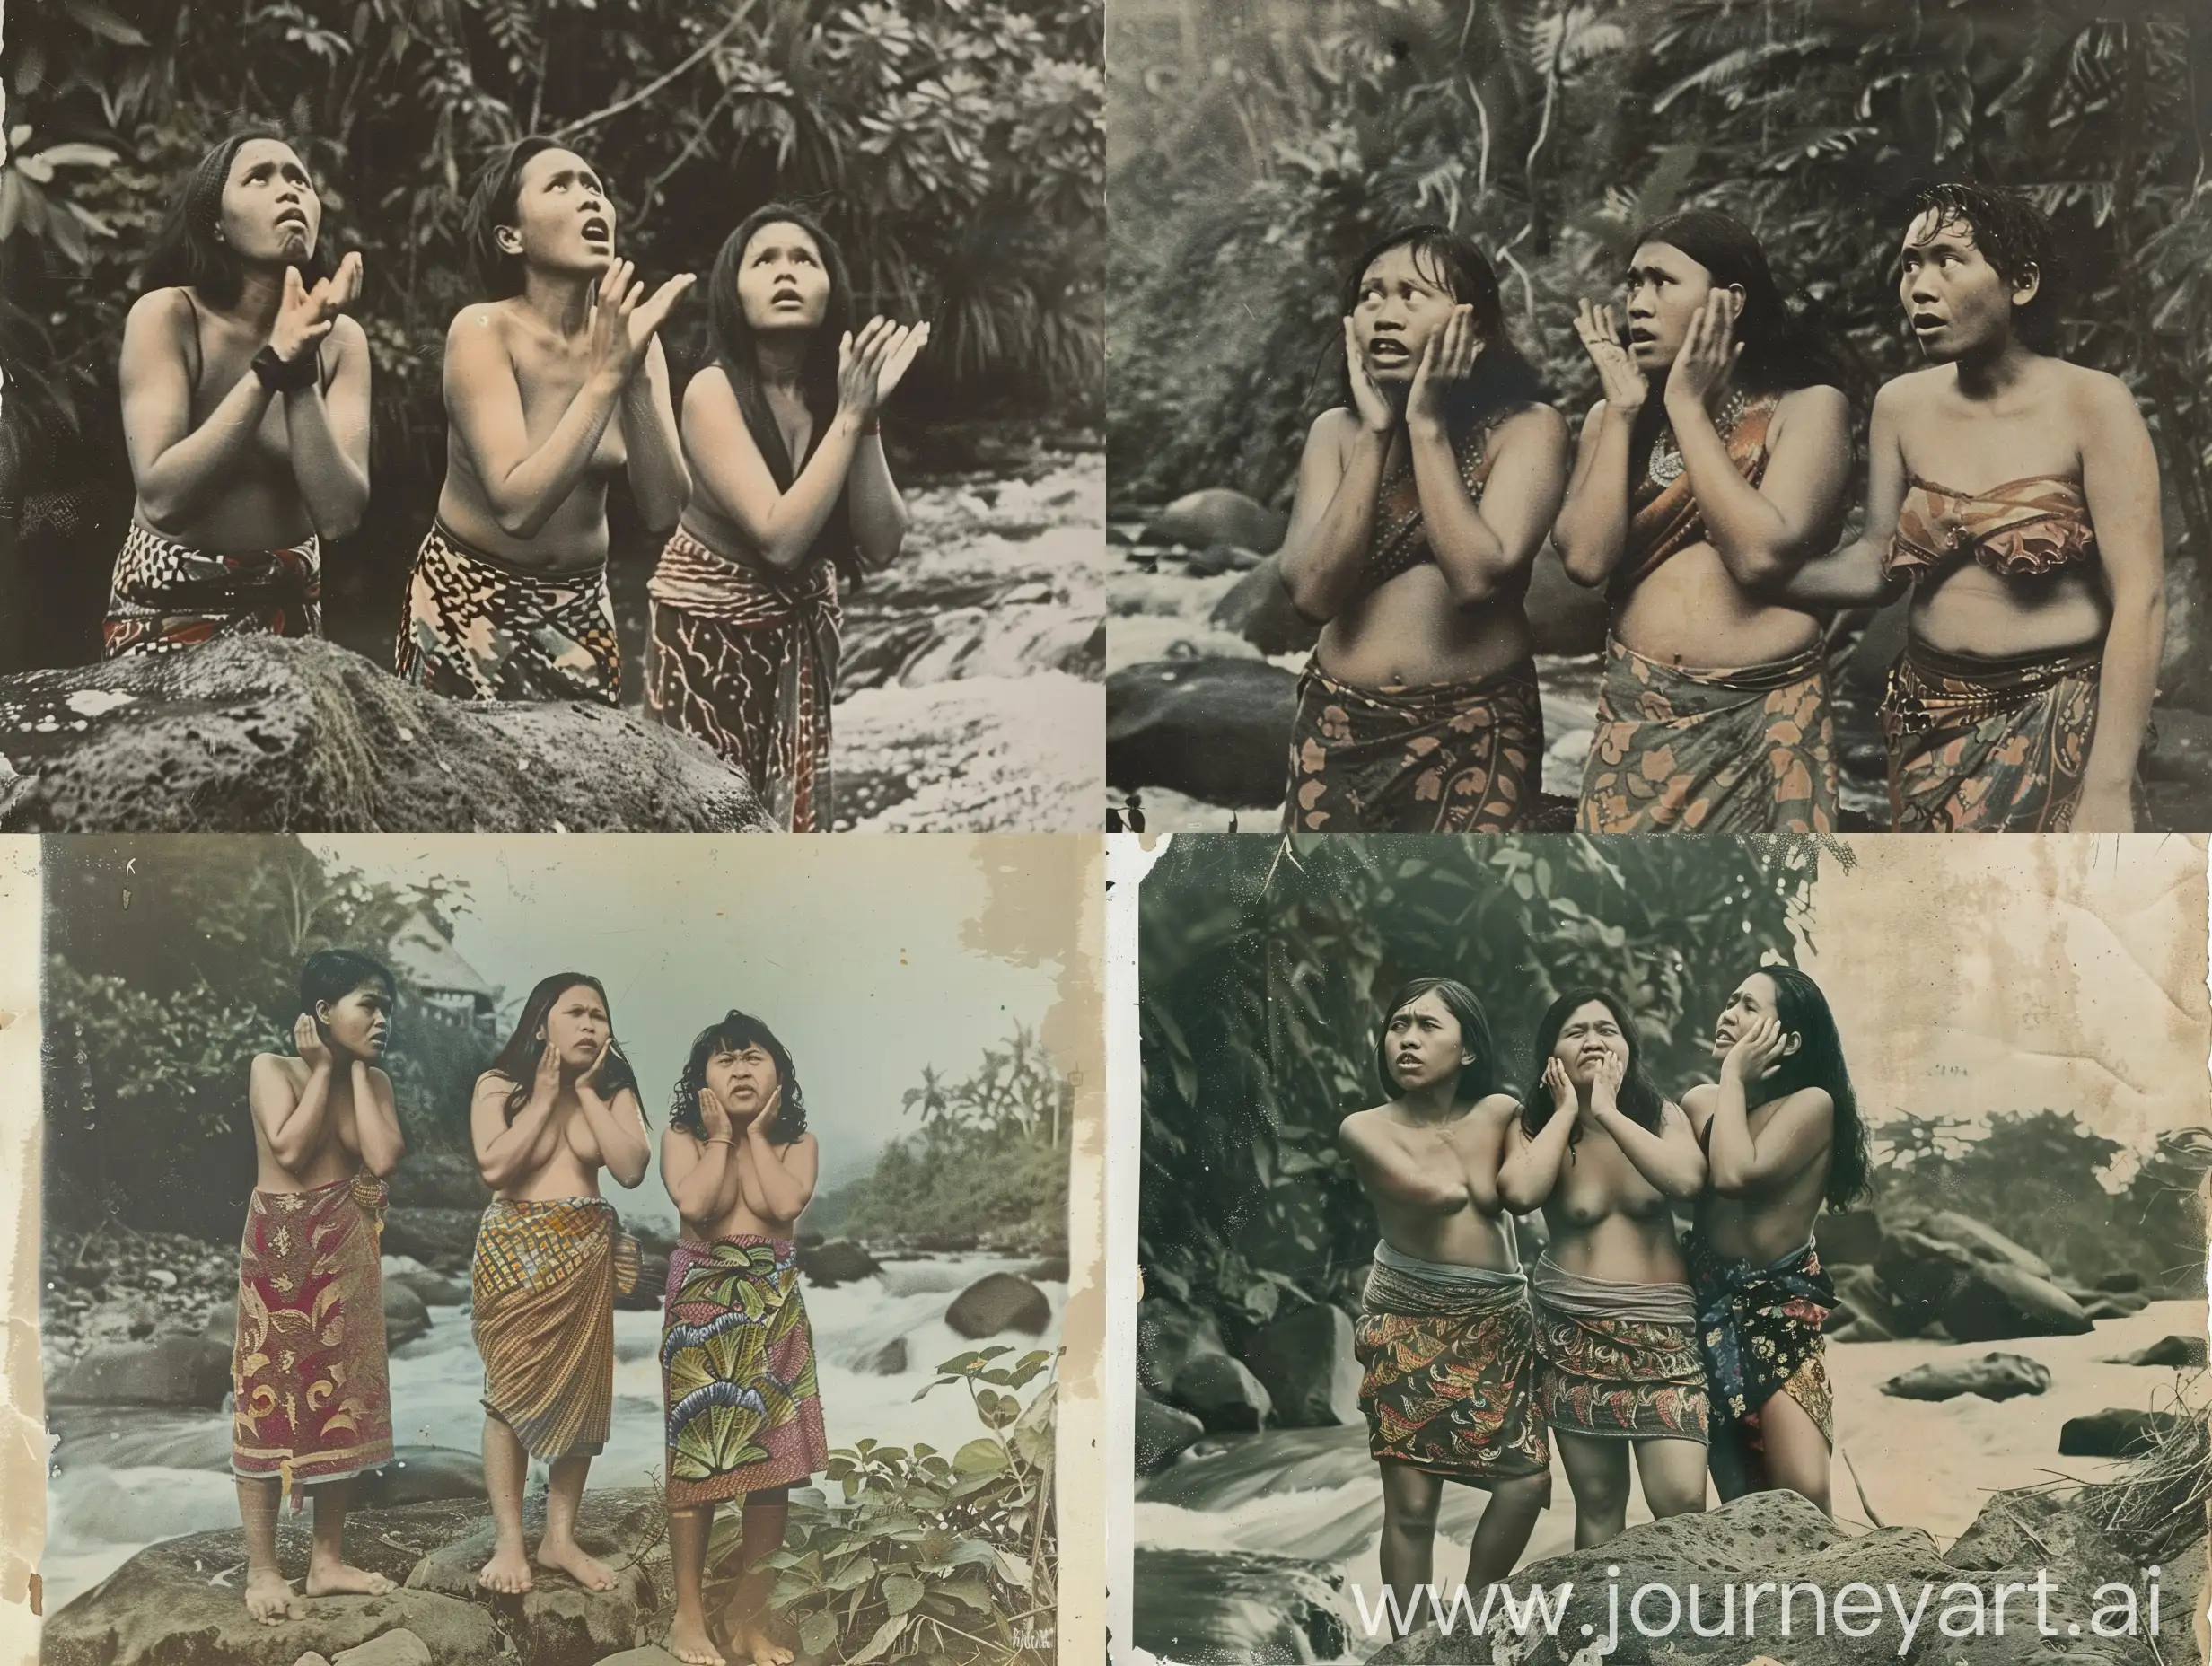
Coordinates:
954	147
1258	146
1263	965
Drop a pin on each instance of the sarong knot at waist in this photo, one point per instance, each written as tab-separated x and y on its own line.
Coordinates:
1931	687
1412	1287
1579	1296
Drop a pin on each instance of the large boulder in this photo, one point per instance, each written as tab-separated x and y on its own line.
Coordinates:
260	733
1994	1302
1226	1396
1161	1432
1993	1376
434	1289
1304	1362
2118	1431
840	1261
1217	515
439	1180
1215	730
1258	608
406	1317
394	1648
172	1369
1169	1336
419	1475
1982	1242
1865	1309
441	1240
2182	1352
998	1302
1851	1238
1207	1605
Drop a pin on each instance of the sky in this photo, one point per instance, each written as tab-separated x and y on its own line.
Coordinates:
862	954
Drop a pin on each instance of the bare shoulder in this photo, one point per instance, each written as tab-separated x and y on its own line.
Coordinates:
1497	1108
1332	431
478	322
1539	422
347	336
1818	404
1915	391
711	382
1591	417
495	1080
1359	1131
1699	1101
2099	396
167	311
275	1064
1810	1102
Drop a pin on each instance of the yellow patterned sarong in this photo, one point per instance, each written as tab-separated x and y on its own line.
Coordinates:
543	1284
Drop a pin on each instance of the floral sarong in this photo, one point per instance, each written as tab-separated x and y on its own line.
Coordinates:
1986	745
1619	1359
167	595
1759	1329
543	1290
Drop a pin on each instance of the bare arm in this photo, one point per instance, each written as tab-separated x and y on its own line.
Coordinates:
1670	1159
1332	515
781	525
1389	1173
1763	533
1852	575
1740	1163
178	470
524	485
782	1181
2119	480
700	1173
505	1150
292	1119
1485	549
619	1125
1592	532
327	435
376	1119
879	514
658	479
1531	1170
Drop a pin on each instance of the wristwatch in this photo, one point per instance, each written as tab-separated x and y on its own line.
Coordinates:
279	375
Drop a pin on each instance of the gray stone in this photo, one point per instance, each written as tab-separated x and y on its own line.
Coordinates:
890	1360
1217	515
1258	608
840	1261
1205	1605
1865	1306
1996	1300
394	1648
998	1302
1852	1237
1215	730
165	1370
2119	1431
262	733
1051	1270
1304	1362
433	1289
1162	1431
2183	1353
1169	1336
441	1238
1226	1396
405	1316
1993	1376
1982	1242
439	1180
420	1475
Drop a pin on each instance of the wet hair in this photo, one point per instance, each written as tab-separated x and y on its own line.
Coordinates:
735	345
1785	348
2013	234
189	250
1801	1010
496	201
1502	377
1477	1078
333	974
518	1060
1638	1100
734	1032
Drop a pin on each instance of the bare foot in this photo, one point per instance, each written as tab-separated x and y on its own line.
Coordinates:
507	1572
756	1646
269	1599
689	1642
587	1571
342	1580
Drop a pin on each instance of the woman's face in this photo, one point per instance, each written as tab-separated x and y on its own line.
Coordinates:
782	280
1954	299
1755	998
578	1026
563	221
1665	289
270	212
1402	302
1423	1043
1590	1035
360	1024
743	1078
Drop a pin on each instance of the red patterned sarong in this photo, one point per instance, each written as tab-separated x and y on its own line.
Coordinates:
1988	746
167	595
1619	1359
312	1401
481	628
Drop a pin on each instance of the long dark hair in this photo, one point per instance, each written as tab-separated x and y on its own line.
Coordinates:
1784	346
188	252
1803	1011
1639	1101
735	351
734	1032
1503	379
494	202
518	1060
1478	1077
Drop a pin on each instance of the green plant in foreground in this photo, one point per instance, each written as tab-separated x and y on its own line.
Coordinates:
950	1560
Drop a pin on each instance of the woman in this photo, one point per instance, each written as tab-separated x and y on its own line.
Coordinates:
744	651
311	1399
1716	463
1422	499
553	386
1606	1158
737	1354
1781	1136
1444	1337
558	1104
245	409
2039	607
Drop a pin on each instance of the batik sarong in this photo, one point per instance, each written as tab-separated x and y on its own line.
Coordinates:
1988	745
167	595
1448	1370
1446	757
481	628
542	1289
1618	1359
1685	750
308	1374
746	659
1759	1329
737	1371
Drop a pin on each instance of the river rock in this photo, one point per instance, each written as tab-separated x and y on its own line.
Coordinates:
1258	608
1993	1376
2183	1353
1051	1270
1851	1238
2120	1280
1226	1396
1215	730
888	1361
1983	1242
651	1288
405	1316
439	1180
1563	617
1217	515
1169	1336
840	1261
2118	1431
1205	1605
420	1475
998	1302
1866	1307
2037	1527
1996	1301
259	733
442	1239
1162	1431
2111	1306
1304	1362
394	1648
312	1659
172	1369
434	1289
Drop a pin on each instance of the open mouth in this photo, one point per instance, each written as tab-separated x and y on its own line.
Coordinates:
293	220
1388	350
597	230
1925	322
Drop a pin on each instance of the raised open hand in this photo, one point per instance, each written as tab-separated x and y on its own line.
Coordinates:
1605	1086
892	367
863	355
1563	1101
1709	351
1756	1050
303	316
1622	383
1447	360
591	1081
548	1075
714	1115
647	317
1369	404
307	1040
